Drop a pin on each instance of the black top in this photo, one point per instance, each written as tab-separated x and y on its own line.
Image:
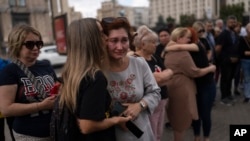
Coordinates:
32	124
159	50
201	61
229	41
243	46
156	65
93	103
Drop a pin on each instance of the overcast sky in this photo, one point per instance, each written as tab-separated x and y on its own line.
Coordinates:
89	7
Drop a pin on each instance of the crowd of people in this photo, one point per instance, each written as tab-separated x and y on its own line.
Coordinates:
143	74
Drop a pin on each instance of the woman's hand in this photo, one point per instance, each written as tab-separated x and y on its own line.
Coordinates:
47	103
213	67
89	126
122	122
133	110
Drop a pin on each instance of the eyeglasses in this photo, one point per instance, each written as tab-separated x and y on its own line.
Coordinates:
31	44
108	20
201	31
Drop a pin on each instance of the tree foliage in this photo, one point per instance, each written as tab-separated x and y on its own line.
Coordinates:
170	20
234	9
187	20
160	21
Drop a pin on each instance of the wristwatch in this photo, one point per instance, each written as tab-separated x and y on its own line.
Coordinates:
143	105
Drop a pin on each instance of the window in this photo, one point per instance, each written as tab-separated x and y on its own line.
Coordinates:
18	18
22	2
17	2
12	2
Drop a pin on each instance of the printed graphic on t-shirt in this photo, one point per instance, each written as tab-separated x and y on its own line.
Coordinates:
123	90
47	82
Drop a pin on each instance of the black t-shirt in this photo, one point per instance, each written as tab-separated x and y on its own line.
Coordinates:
201	61
36	124
229	41
155	65
93	103
159	50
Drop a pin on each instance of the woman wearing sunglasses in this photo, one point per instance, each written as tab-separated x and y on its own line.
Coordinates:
130	80
18	96
205	85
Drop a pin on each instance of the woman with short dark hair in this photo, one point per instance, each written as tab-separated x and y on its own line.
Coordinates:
130	80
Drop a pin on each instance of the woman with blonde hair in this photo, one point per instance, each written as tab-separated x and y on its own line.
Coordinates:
84	88
206	89
19	97
181	89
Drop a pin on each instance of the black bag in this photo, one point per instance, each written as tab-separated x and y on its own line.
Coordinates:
63	125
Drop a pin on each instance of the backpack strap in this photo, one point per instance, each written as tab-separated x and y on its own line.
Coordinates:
63	124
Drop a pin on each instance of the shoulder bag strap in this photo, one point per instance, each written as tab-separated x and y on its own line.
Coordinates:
32	78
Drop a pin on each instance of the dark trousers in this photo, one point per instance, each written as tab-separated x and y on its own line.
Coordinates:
228	71
9	123
205	98
237	76
2	138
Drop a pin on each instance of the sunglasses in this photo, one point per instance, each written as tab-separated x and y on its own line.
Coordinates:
31	44
108	20
201	31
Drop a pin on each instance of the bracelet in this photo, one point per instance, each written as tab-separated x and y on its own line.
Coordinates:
143	105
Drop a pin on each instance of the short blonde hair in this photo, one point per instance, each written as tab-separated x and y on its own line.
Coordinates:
179	33
17	37
197	25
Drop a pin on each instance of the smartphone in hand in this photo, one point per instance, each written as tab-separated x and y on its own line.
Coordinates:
117	109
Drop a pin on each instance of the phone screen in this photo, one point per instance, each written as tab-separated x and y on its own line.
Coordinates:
117	109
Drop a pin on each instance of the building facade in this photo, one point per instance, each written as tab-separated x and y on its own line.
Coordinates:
175	8
136	15
61	7
202	9
37	13
32	12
